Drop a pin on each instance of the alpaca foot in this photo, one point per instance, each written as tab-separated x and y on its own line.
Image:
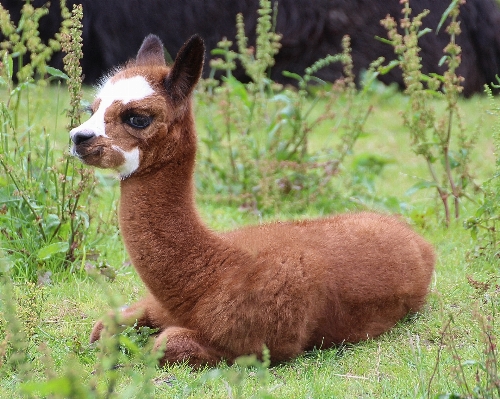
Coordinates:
127	316
182	345
96	331
147	312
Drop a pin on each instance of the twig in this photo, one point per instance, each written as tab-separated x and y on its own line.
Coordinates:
441	345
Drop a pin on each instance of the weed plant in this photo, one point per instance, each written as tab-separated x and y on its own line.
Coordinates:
256	150
28	363
484	224
43	220
477	377
447	157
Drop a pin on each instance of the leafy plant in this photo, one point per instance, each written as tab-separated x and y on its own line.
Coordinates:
432	135
245	368
22	42
477	378
484	224
42	192
256	144
23	355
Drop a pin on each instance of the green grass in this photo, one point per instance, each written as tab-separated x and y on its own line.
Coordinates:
400	364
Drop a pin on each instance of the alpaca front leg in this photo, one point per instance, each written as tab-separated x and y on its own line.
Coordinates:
183	345
147	312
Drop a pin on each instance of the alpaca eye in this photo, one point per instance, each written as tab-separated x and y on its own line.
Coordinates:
138	121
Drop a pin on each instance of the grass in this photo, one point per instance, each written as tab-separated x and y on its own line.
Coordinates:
415	359
448	351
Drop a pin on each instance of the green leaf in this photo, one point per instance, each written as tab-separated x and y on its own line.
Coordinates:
281	97
480	211
51	221
442	60
435	76
473	232
445	14
383	40
239	89
292	76
56	73
52	249
386	69
128	344
318	80
423	32
4	265
218	51
60	386
470	363
420	186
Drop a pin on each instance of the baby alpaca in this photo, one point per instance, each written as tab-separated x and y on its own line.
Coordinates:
291	286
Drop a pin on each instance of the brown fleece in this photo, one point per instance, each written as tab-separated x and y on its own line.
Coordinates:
291	286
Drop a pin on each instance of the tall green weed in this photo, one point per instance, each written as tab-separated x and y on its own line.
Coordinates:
44	194
256	148
441	140
484	225
476	377
125	362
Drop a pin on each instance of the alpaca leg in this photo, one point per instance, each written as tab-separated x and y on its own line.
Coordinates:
145	313
183	345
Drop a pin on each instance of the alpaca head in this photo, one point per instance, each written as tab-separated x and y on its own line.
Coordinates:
140	113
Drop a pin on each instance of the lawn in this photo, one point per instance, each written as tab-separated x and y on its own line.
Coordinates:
265	153
442	350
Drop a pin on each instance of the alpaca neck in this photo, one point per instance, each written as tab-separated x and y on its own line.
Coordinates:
165	237
167	242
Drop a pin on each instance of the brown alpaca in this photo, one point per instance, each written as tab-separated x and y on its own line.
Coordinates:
291	286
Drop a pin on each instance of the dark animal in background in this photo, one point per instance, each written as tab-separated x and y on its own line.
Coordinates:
113	30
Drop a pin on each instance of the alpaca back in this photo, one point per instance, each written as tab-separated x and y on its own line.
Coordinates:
376	243
359	273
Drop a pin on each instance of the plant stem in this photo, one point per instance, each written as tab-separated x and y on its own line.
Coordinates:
443	194
37	217
446	152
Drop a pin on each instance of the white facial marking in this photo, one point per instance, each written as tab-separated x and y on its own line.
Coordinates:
131	162
124	90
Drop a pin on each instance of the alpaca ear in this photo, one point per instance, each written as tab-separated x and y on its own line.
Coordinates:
186	70
151	52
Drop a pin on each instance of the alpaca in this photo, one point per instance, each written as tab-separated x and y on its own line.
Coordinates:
291	286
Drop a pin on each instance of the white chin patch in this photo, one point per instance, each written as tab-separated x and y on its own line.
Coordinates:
131	162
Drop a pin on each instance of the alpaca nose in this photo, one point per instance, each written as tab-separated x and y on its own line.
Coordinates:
82	136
